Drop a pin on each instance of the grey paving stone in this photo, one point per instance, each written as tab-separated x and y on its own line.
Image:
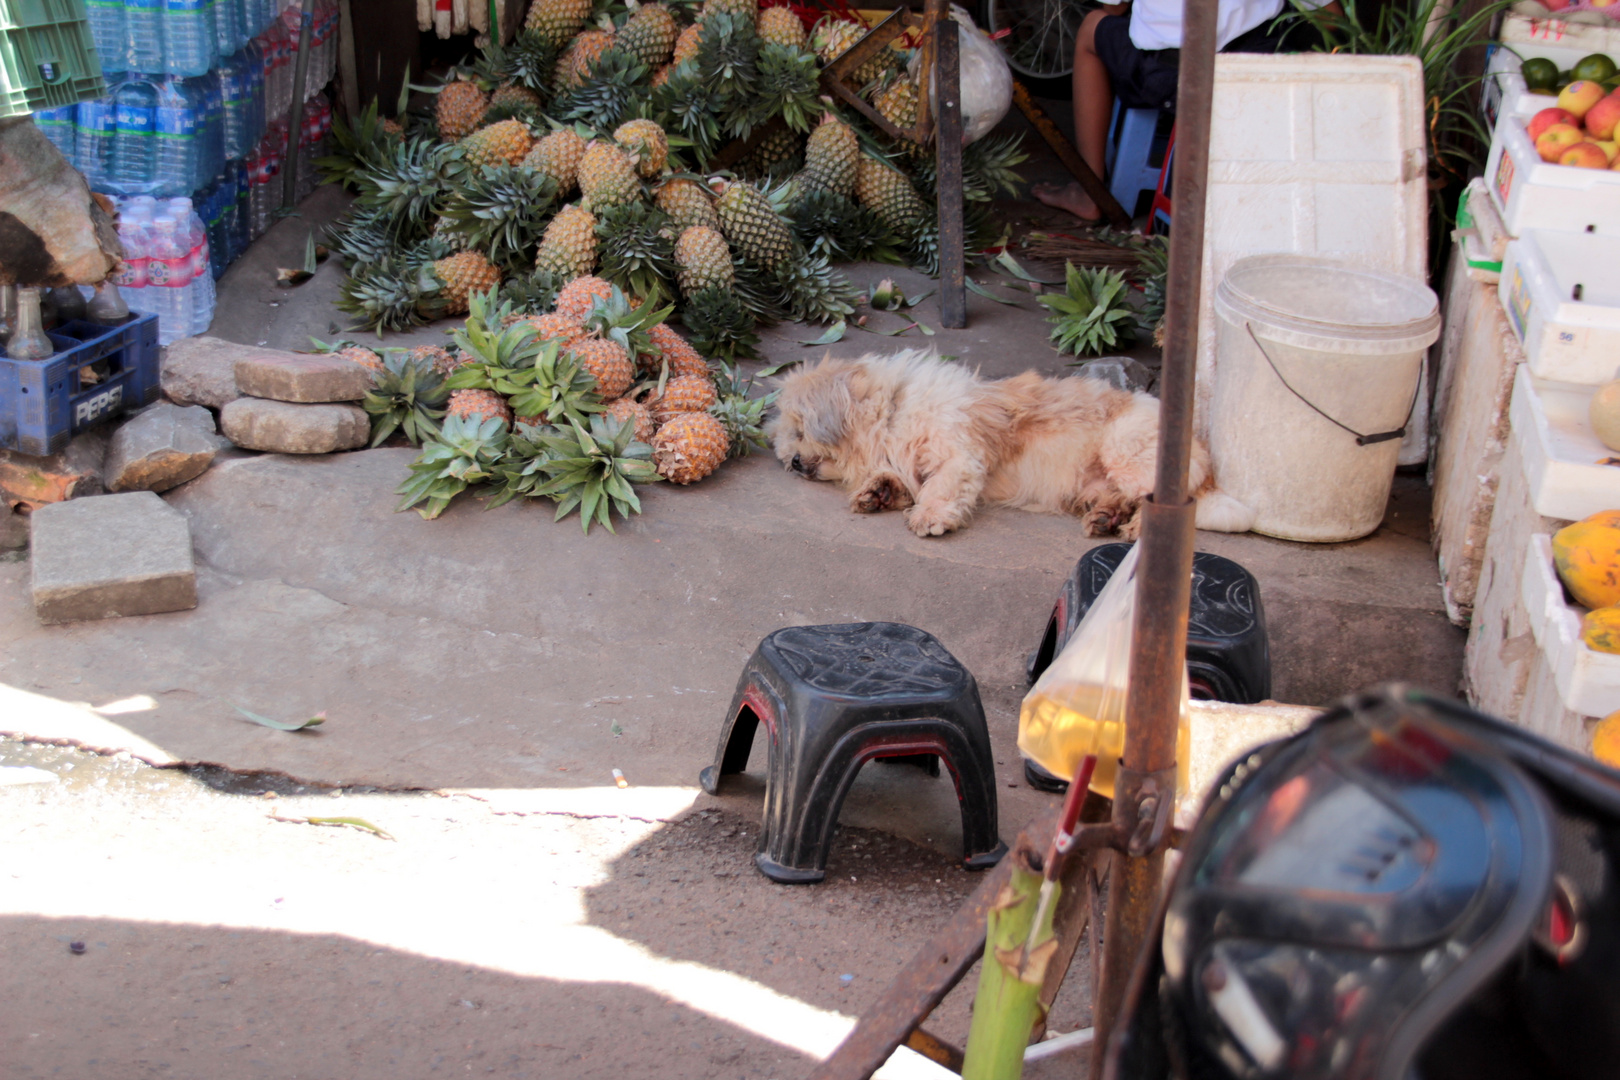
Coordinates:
113	555
281	427
291	377
161	447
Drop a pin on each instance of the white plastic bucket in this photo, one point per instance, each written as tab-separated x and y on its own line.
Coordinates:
1317	371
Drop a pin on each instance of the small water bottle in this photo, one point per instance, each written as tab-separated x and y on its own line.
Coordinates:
143	35
107	307
28	340
196	237
132	280
169	275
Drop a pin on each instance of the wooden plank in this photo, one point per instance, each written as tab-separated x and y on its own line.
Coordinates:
936	1049
1071	158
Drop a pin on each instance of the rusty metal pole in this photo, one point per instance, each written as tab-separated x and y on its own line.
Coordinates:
1146	790
948	158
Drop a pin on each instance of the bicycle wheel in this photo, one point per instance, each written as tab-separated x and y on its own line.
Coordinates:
1039	45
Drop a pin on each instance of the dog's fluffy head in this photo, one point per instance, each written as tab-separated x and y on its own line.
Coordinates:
815	414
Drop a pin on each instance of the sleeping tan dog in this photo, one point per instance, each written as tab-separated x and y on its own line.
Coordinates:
916	433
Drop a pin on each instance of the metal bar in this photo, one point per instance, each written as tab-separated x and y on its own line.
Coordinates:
935	1049
875	41
948	155
1090	181
1164	579
295	113
927	977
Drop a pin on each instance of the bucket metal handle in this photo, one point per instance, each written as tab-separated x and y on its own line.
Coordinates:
1361	440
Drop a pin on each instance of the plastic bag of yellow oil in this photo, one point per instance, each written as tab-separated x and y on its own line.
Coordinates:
1077	706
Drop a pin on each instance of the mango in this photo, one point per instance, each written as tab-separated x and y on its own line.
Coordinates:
1606	740
1600	630
1587	555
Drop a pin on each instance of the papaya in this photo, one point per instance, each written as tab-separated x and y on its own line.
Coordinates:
1587	555
1606	740
1600	629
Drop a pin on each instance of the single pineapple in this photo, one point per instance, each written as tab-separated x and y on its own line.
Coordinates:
834	36
557	155
689	447
557	20
441	359
703	261
889	195
459	107
661	76
568	247
777	146
780	26
580	295
897	103
731	7
555	325
463	274
686	45
515	96
625	409
576	65
687	203
684	394
752	226
677	353
608	361
649	34
393	127
646	144
606	177
830	157
359	354
508	141
482	404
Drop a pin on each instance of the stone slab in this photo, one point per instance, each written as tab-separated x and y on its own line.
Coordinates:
202	370
13	530
305	379
101	558
161	447
70	473
282	427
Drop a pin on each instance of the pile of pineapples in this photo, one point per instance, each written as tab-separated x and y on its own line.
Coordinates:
586	147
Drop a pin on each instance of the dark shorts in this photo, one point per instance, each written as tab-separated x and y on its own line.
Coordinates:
1147	80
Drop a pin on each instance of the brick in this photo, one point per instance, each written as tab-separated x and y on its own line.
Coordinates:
304	379
202	370
160	447
111	556
72	472
284	428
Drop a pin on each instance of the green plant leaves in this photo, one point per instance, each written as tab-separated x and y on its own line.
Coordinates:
1092	314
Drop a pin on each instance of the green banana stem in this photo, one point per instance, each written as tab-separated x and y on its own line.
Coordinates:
1015	959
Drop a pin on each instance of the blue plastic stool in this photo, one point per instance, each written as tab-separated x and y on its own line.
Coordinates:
1133	139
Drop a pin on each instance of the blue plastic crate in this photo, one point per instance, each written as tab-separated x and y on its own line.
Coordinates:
44	403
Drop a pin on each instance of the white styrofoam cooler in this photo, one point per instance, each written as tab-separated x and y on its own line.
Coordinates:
1536	194
1559	450
1588	682
1536	34
1565	339
1503	84
1315	155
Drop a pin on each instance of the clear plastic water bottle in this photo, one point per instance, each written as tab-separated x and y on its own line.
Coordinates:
94	128
202	277
178	111
134	146
213	215
228	26
107	32
188	37
253	54
213	140
168	272
143	35
57	125
132	280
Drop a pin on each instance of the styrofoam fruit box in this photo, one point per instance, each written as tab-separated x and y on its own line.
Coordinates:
1536	194
1559	450
1486	220
1587	32
1588	682
1503	84
1565	339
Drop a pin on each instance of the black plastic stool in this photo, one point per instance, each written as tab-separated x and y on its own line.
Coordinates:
1228	655
835	697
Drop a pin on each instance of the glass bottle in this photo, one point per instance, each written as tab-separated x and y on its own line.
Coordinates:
8	312
107	307
69	303
28	341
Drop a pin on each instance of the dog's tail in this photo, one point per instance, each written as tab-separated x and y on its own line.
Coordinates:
1219	512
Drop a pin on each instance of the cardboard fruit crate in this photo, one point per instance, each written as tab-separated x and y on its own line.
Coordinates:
97	372
47	56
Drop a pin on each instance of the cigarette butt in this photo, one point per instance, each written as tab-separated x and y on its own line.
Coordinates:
618	778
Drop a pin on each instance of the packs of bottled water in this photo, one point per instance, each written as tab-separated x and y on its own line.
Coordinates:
57	126
202	279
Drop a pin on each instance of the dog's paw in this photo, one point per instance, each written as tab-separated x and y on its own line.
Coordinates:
931	521
1131	527
880	493
1096	523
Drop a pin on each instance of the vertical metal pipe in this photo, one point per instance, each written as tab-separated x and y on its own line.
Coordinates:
948	156
295	112
1164	575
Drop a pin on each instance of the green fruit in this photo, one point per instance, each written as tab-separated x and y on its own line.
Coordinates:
1594	68
1540	74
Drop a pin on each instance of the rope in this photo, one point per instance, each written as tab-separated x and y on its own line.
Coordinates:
1361	440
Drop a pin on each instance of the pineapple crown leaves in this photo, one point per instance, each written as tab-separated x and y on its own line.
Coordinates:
388	296
788	84
492	348
721	325
408	397
688	105
742	416
533	292
466	451
636	249
361	242
727	57
502	210
614	83
531	60
614	319
812	291
835	226
360	148
1093	313
546	382
593	469
406	188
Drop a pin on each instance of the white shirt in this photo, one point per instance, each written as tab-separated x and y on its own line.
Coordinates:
1156	24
